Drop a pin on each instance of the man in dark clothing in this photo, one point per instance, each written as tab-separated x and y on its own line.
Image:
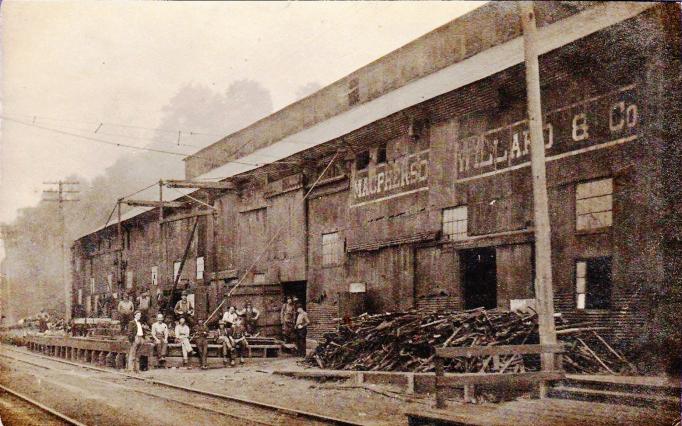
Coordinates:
201	332
238	341
302	323
136	339
223	338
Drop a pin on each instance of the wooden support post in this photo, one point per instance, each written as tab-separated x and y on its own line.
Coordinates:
159	273
543	249
440	398
470	393
409	389
119	229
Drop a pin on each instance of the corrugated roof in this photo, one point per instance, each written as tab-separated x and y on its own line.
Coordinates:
470	70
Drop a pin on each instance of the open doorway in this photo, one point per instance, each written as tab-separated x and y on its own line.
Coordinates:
479	277
297	289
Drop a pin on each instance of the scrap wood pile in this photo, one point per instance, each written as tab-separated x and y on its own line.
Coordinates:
406	341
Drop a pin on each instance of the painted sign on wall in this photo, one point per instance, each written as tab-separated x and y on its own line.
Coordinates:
401	176
595	123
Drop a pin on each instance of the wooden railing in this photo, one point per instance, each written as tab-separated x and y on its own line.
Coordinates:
469	380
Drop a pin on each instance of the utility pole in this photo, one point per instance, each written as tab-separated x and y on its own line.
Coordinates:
62	197
543	249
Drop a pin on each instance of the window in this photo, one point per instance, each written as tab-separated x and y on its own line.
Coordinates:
80	296
455	223
129	279
92	285
593	283
332	249
381	154
155	275
362	160
200	268
353	91
594	204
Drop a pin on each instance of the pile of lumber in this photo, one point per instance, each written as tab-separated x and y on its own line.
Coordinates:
406	341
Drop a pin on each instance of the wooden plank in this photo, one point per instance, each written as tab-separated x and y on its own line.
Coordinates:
187	216
470	351
172	183
458	380
147	203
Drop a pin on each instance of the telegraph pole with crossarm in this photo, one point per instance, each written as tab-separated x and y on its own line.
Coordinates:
62	192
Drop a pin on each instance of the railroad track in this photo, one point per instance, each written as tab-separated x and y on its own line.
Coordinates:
62	417
282	415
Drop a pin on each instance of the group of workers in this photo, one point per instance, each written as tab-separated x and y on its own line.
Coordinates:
233	328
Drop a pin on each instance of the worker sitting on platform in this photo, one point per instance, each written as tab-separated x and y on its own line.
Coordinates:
201	333
238	341
160	336
250	315
184	308
182	335
230	316
223	338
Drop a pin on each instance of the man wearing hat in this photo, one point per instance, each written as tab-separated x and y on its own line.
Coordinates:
136	339
125	310
160	336
144	302
185	309
223	338
250	315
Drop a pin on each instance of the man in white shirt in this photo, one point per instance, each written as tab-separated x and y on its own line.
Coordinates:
136	338
160	336
182	335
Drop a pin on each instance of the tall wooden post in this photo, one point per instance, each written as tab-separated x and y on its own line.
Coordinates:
543	248
119	229
159	272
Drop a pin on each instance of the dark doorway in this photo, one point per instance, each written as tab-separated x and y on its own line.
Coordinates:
479	277
295	288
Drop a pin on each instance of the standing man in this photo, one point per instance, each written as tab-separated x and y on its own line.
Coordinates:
182	335
143	305
136	339
201	340
160	335
302	323
184	308
250	315
125	310
288	319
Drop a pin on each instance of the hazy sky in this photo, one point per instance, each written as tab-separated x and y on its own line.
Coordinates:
120	62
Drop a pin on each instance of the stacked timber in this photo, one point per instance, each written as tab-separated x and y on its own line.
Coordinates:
406	341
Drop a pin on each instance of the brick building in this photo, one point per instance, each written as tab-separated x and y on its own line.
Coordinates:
426	195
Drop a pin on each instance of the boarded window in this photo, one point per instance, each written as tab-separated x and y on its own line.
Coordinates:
110	280
593	283
155	275
455	223
381	154
80	296
129	279
332	249
200	268
88	306
594	204
92	285
362	160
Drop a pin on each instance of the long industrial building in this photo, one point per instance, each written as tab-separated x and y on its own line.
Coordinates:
407	183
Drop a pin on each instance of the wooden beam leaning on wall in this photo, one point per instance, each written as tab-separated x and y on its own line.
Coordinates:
145	203
199	185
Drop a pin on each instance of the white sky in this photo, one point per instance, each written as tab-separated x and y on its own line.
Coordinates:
122	61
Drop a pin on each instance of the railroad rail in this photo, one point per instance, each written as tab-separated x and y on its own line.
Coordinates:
43	407
292	413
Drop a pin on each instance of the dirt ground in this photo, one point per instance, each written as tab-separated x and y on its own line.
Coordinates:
369	404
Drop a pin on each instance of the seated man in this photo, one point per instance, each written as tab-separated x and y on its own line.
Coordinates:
238	341
182	335
184	308
160	336
229	316
224	339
